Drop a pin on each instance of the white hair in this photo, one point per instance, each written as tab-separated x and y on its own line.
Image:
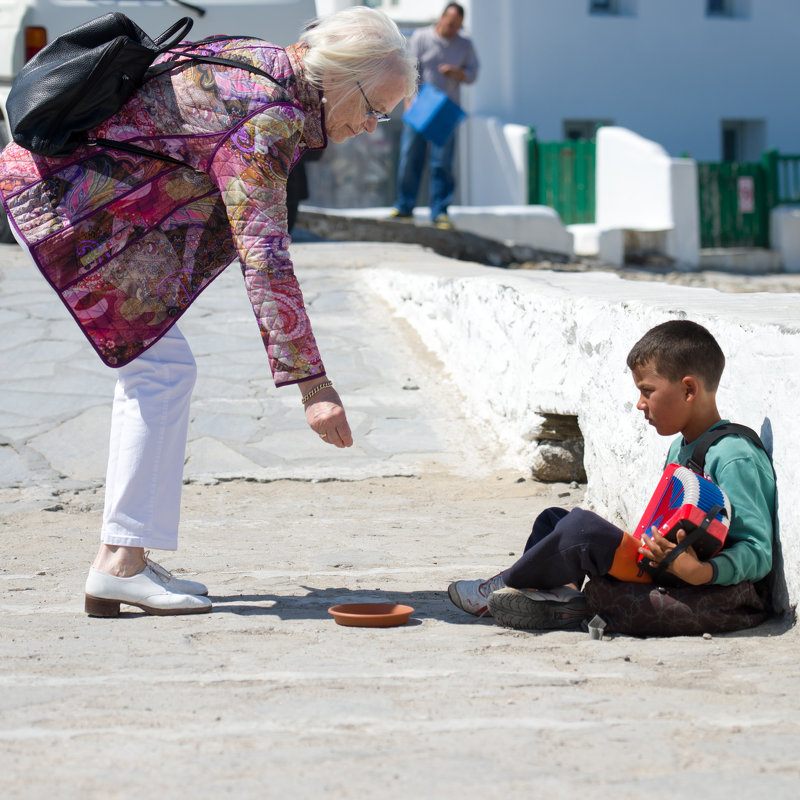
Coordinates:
358	44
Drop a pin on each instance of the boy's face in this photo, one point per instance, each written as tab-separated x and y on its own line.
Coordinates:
663	402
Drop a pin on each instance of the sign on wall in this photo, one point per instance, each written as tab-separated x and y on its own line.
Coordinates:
746	186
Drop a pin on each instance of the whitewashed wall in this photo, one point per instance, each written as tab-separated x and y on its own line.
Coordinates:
640	187
520	342
494	162
784	234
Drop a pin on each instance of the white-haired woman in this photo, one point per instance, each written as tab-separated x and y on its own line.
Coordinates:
129	241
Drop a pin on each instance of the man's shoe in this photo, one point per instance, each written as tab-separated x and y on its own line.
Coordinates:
176	584
105	592
470	596
562	608
399	216
443	222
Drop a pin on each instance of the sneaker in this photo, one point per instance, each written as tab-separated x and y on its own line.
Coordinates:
562	608
443	222
399	216
471	596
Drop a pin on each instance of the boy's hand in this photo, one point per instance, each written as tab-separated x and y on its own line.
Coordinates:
687	566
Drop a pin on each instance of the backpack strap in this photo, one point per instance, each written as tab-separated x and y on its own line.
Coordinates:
227	62
173	34
126	147
697	461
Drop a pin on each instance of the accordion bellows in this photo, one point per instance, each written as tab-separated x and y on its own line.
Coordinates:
682	499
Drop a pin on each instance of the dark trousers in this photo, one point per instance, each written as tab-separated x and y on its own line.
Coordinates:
413	151
564	547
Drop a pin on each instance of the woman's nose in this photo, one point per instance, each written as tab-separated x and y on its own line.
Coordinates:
370	125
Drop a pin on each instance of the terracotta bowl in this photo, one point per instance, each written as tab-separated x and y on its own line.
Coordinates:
371	615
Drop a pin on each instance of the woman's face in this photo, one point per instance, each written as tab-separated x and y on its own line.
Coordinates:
346	110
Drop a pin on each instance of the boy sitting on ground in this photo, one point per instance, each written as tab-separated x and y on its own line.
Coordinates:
676	367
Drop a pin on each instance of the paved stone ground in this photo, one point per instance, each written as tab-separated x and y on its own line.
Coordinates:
267	696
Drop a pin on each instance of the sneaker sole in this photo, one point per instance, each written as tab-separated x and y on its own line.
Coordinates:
517	610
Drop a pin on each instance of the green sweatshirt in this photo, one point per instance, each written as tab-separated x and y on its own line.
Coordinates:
743	471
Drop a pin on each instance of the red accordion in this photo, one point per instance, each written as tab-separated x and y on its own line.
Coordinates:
684	499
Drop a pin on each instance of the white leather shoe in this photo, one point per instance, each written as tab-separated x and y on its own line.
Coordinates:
176	584
146	590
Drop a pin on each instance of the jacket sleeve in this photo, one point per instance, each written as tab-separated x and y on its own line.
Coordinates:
250	167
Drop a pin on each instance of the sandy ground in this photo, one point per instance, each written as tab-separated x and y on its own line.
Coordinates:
268	697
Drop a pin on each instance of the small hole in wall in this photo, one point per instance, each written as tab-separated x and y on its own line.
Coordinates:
559	449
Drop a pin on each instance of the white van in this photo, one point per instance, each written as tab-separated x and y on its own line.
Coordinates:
27	25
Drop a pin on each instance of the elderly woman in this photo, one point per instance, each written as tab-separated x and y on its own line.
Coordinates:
128	242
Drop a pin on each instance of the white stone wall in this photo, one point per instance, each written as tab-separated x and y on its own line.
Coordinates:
784	232
494	162
639	187
518	342
535	226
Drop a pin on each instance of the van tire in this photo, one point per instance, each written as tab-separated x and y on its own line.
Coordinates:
6	237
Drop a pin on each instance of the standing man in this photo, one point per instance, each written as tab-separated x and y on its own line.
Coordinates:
446	59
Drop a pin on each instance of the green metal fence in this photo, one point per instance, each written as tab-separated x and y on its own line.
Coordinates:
785	176
562	175
734	206
736	198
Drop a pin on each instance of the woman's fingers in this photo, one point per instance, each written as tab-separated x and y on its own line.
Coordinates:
344	434
329	421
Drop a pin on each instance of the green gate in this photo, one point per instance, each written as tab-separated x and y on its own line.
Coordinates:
561	175
783	173
734	204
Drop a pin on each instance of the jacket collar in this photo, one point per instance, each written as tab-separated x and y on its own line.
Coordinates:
310	98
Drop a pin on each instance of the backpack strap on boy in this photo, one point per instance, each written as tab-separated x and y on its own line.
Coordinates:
697	461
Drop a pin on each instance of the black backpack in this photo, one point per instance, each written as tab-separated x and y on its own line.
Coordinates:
85	76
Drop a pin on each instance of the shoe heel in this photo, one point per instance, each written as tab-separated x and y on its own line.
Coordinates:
97	607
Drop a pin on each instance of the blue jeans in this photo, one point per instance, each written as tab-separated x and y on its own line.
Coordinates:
413	151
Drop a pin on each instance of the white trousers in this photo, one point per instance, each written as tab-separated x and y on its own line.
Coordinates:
149	427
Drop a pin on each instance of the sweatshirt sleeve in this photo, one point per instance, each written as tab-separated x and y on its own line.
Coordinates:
250	168
747	554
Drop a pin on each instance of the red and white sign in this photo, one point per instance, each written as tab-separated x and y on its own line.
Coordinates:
747	194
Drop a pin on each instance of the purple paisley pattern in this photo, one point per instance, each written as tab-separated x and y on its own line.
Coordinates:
129	242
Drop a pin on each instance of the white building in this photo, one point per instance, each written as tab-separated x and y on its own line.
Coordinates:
712	78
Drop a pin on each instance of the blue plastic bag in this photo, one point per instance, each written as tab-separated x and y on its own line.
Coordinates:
433	114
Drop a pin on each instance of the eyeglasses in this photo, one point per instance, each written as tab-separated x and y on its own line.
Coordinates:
373	113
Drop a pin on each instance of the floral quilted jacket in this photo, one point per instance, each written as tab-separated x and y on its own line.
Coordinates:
128	242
